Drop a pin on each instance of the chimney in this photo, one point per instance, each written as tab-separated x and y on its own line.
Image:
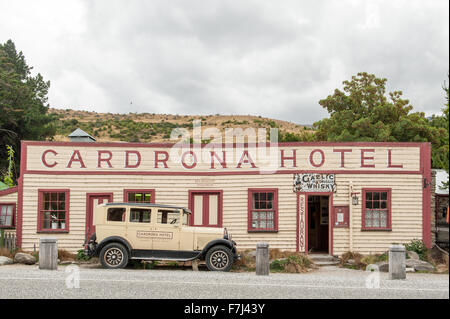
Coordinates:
80	136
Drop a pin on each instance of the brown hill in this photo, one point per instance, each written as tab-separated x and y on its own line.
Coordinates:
147	127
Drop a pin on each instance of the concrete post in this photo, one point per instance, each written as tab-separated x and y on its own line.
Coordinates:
397	266
262	259
48	253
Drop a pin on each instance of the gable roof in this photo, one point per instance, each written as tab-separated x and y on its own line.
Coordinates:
80	133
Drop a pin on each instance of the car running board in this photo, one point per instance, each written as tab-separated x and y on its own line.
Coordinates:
165	258
176	255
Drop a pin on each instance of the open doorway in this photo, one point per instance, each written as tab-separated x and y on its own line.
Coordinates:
318	221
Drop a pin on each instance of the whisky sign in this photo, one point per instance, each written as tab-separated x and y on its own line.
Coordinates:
313	182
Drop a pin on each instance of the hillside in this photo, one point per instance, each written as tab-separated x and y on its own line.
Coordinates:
146	127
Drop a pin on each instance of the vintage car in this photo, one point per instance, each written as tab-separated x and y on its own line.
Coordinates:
141	231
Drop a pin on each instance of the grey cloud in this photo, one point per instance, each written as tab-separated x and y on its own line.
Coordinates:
269	58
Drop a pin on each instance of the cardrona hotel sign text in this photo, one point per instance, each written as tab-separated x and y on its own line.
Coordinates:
65	157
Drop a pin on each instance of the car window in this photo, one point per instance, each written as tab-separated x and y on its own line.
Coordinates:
116	215
185	219
139	215
166	216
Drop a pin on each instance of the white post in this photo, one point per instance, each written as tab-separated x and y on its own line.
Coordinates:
262	259
48	253
397	266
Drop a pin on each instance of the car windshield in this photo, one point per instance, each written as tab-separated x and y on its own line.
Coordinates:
185	218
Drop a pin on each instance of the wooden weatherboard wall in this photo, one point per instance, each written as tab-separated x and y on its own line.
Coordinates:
9	197
174	172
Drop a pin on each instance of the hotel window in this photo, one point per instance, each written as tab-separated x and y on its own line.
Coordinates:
262	210
53	210
7	212
376	209
139	196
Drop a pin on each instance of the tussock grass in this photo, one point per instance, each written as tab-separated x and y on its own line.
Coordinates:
247	262
361	261
276	253
281	261
438	258
296	263
64	255
5	252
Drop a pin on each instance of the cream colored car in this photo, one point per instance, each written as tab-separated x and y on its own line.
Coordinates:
125	231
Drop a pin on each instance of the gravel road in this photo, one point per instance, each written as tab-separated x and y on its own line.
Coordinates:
20	281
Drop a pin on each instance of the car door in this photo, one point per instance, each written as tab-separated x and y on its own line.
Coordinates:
166	238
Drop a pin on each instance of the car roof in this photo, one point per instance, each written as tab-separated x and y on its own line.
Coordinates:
149	205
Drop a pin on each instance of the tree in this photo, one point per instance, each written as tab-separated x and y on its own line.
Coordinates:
23	104
303	136
441	154
363	112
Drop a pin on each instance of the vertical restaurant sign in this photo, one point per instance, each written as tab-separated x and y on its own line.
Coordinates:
302	221
313	182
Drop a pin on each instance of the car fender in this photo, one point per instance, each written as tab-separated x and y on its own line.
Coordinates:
114	239
216	242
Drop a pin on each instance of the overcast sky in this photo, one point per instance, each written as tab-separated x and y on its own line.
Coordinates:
270	58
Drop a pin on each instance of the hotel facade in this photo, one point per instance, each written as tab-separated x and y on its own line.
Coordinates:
306	197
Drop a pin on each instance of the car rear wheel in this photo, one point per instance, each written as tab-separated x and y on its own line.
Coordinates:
219	258
114	256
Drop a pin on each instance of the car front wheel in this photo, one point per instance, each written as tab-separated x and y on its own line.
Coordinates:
114	256
219	258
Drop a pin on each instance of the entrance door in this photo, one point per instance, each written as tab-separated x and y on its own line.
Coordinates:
206	207
318	223
93	200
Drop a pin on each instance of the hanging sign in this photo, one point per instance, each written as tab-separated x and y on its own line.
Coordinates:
313	182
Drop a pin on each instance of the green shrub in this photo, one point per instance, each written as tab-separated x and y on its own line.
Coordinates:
383	257
172	264
139	264
418	246
82	256
276	265
150	265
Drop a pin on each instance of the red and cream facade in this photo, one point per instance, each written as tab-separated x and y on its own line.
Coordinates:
8	209
381	192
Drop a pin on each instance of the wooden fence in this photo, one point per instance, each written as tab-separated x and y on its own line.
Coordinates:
8	241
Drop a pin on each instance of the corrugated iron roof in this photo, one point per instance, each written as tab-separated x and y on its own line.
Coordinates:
80	133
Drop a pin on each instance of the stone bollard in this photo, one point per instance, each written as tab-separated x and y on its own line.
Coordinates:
397	266
262	259
48	253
